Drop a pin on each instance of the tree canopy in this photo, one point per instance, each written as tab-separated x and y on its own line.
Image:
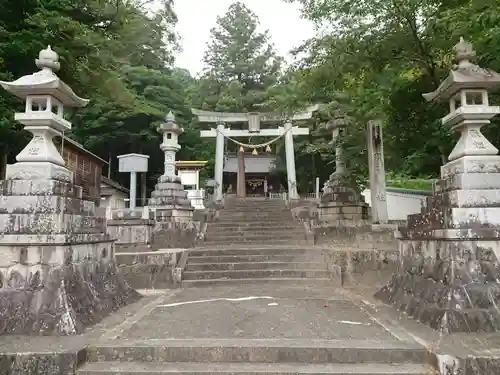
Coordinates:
373	59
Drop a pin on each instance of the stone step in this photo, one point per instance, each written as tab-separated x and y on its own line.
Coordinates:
254	250
255	273
257	223
255	258
320	282
226	244
252	236
257	242
254	266
284	233
257	227
180	368
261	207
257	203
296	350
255	209
221	222
256	215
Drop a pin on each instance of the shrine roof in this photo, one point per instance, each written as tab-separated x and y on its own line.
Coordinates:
78	146
190	163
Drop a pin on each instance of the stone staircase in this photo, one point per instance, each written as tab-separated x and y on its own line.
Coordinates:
255	357
255	240
254	221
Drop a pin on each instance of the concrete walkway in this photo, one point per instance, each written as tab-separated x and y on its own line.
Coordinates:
247	329
254	329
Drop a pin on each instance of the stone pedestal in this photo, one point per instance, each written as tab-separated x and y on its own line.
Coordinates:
449	254
132	229
57	269
170	202
448	276
340	205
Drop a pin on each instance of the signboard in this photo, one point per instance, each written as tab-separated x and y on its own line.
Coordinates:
133	163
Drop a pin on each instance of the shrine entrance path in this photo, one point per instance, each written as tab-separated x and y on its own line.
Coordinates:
255	329
240	329
257	312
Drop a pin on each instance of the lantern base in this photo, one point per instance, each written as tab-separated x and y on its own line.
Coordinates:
38	171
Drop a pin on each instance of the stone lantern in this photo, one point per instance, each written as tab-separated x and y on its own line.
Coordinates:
338	127
45	96
54	249
170	145
466	89
169	199
448	274
340	202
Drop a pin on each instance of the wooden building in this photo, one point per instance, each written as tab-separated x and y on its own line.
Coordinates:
86	166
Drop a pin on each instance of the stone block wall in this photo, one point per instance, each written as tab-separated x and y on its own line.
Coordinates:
57	270
356	251
448	275
153	270
149	252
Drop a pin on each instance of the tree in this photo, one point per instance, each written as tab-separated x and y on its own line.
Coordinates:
114	52
382	55
240	59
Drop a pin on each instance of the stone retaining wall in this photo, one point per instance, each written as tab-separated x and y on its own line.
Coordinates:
356	251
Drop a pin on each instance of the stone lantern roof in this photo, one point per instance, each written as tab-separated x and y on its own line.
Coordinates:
170	125
464	75
339	121
45	82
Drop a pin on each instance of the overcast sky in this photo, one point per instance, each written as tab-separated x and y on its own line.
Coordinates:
197	17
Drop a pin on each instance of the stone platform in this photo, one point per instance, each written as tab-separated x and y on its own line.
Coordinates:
244	329
283	329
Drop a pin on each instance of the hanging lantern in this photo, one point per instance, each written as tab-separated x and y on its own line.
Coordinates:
268	148
254	152
242	149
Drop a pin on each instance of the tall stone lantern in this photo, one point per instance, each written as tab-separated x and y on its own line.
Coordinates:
340	202
449	276
169	199
57	269
170	131
338	127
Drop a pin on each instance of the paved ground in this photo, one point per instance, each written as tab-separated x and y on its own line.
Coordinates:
280	312
256	312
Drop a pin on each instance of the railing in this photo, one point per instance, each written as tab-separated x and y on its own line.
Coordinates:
283	196
312	196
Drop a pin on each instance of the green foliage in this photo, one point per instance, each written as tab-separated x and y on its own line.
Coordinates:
373	60
113	52
416	184
240	64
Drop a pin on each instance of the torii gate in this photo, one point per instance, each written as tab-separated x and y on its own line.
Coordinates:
254	119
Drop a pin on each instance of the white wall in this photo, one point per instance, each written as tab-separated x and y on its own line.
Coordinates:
116	200
189	177
399	203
